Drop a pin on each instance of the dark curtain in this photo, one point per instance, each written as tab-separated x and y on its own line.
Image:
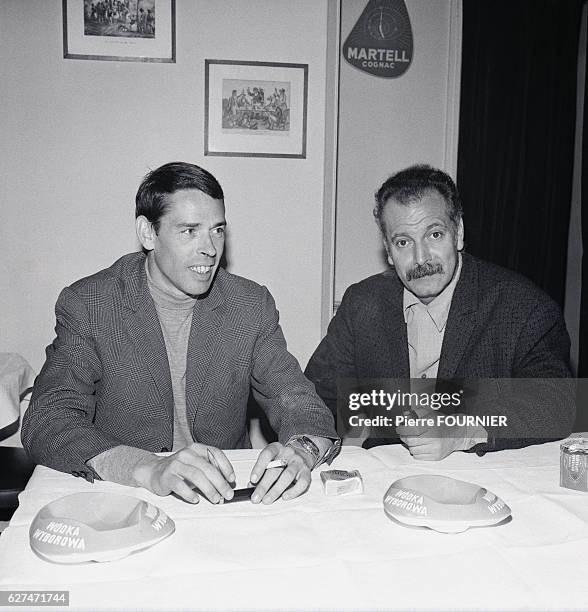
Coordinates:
516	141
583	341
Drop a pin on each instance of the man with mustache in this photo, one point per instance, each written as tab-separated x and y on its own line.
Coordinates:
443	314
159	353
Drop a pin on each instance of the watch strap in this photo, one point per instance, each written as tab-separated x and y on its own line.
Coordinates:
303	442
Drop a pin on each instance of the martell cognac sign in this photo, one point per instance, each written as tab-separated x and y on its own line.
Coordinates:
381	41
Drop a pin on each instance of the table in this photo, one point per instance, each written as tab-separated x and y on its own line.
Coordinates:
319	552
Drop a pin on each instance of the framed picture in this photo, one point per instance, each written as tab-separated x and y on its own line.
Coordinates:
255	109
120	30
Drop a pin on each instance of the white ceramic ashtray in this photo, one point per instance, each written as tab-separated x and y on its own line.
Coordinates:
443	504
97	527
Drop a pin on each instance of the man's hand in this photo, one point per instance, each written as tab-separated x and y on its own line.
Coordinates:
433	442
185	470
275	481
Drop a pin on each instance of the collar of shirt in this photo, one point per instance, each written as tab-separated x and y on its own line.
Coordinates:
164	299
438	309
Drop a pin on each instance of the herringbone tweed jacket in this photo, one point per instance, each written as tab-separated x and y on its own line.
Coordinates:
500	326
106	379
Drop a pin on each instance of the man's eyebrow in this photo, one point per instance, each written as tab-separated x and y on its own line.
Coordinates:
219	224
436	224
428	228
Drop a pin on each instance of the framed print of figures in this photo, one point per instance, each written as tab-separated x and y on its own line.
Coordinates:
255	109
120	30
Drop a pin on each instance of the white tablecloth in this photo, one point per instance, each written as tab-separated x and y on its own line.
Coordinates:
16	375
321	552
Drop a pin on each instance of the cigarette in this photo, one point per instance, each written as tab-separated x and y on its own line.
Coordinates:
212	459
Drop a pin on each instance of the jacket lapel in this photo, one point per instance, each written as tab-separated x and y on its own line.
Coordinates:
394	326
204	338
145	331
461	319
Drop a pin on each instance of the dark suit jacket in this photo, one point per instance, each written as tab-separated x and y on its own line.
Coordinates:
500	325
106	380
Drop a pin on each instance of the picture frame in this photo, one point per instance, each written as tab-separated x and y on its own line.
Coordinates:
120	30
255	109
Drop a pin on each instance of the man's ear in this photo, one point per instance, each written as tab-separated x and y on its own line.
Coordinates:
383	236
388	256
145	232
460	235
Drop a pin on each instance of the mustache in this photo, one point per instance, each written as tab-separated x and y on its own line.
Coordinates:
427	269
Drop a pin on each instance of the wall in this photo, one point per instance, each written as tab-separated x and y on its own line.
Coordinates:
77	136
388	124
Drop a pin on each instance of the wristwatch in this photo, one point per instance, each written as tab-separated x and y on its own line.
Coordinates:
304	443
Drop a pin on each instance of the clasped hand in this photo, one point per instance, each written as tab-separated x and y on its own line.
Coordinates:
431	442
189	469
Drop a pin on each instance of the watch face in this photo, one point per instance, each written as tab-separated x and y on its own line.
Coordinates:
382	24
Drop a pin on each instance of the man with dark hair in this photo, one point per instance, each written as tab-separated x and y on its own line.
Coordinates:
442	314
412	183
159	353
